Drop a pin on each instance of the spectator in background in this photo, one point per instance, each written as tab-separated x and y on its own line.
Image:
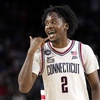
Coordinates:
18	96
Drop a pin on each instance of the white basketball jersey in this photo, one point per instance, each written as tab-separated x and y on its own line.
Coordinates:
63	73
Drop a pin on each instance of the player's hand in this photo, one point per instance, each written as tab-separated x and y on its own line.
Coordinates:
36	43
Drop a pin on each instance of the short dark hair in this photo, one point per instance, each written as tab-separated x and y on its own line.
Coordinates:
66	13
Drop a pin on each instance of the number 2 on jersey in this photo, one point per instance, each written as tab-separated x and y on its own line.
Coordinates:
64	84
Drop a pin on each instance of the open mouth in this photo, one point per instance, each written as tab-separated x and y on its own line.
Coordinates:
51	34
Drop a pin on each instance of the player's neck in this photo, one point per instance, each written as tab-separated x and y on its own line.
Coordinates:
61	44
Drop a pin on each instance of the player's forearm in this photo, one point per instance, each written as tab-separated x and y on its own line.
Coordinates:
25	79
96	93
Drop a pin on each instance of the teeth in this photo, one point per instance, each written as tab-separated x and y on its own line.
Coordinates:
51	35
51	32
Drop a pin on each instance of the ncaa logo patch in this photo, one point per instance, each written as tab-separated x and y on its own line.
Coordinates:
47	52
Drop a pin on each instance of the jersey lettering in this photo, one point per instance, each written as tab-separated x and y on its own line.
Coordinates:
63	68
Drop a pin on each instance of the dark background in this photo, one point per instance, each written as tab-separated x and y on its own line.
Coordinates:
21	18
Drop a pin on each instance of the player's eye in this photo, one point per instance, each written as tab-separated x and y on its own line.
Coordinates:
54	22
46	24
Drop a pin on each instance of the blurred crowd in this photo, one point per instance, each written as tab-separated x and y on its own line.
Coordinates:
21	18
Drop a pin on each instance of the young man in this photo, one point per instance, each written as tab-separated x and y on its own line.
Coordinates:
63	63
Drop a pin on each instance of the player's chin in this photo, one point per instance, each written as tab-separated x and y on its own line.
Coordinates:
53	40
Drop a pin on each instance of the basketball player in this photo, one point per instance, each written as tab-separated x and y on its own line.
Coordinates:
63	62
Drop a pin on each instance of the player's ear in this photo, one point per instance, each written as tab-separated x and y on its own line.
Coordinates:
66	26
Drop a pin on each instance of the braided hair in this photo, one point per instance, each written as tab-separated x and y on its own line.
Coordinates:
66	13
